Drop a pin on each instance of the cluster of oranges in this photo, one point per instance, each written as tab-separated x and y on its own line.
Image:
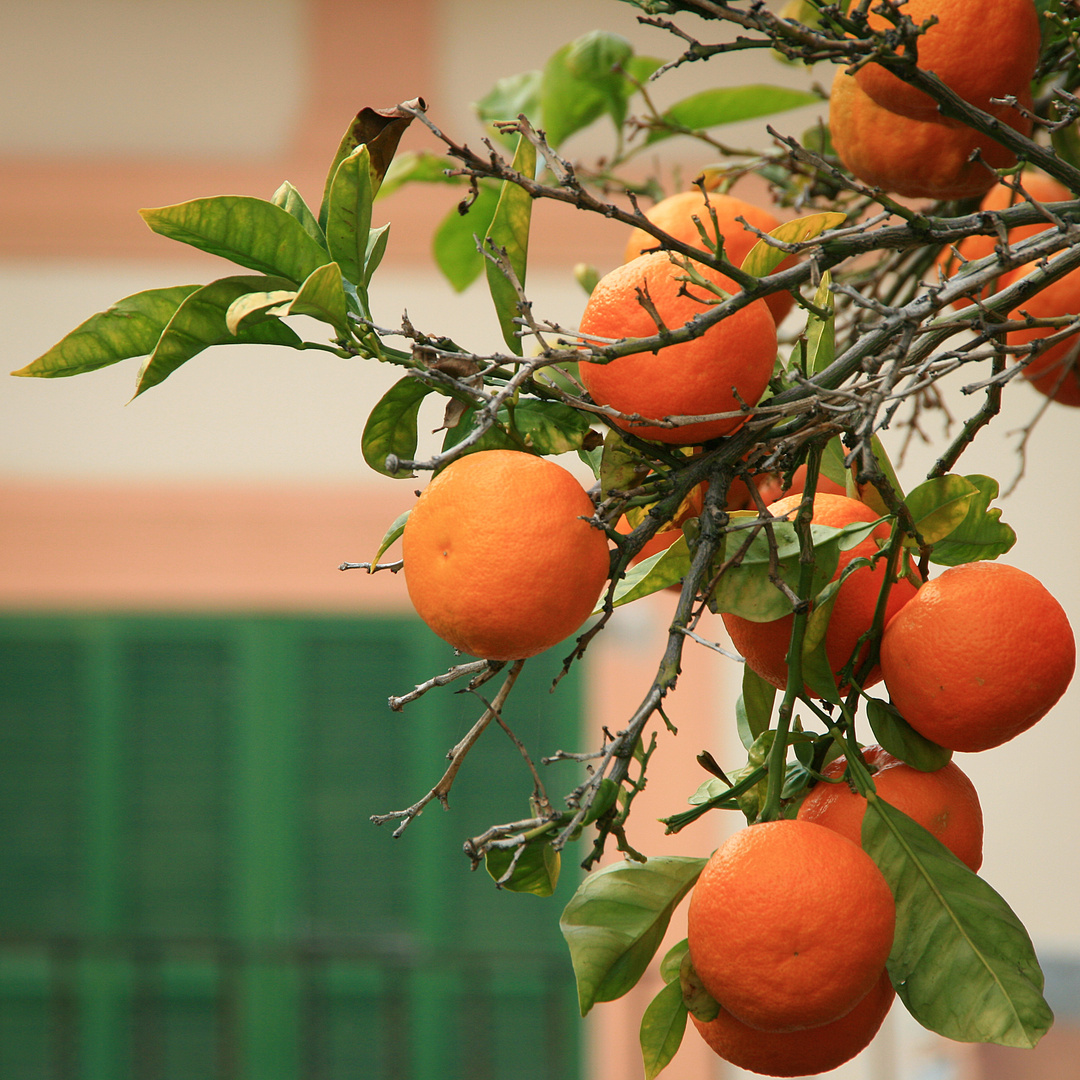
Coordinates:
791	1002
891	135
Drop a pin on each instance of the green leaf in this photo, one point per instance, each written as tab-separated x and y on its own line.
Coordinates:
662	1027
397	527
509	232
495	438
257	307
291	201
761	260
454	244
621	466
131	327
391	426
659	571
729	105
579	84
322	296
536	872
746	589
417	166
753	710
981	535
549	427
939	505
832	462
199	322
821	333
671	965
348	216
961	961
698	1001
603	801
901	740
376	249
510	97
250	232
616	920
380	130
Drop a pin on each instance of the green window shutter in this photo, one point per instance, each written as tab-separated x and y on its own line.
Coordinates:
192	884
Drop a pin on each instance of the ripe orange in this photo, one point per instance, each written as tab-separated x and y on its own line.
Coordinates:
790	925
498	561
764	645
675	215
800	1053
694	378
943	802
1054	372
1042	188
915	158
981	653
979	50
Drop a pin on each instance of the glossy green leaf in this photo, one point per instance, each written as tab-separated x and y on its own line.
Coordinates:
536	871
380	130
579	84
391	426
821	333
322	296
961	961
616	920
454	244
257	307
348	216
250	232
832	462
131	327
397	527
509	233
747	590
901	740
417	167
550	427
291	201
753	710
199	322
761	260
981	535
495	438
659	571
376	249
662	1027
729	105
940	505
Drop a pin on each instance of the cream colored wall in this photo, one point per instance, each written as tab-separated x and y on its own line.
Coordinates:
240	415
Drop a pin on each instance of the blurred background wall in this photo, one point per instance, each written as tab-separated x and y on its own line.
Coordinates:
193	731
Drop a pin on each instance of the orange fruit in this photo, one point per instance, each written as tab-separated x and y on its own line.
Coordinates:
789	925
800	1053
943	802
498	559
979	50
981	653
915	158
1042	188
764	645
694	378
676	213
1053	372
